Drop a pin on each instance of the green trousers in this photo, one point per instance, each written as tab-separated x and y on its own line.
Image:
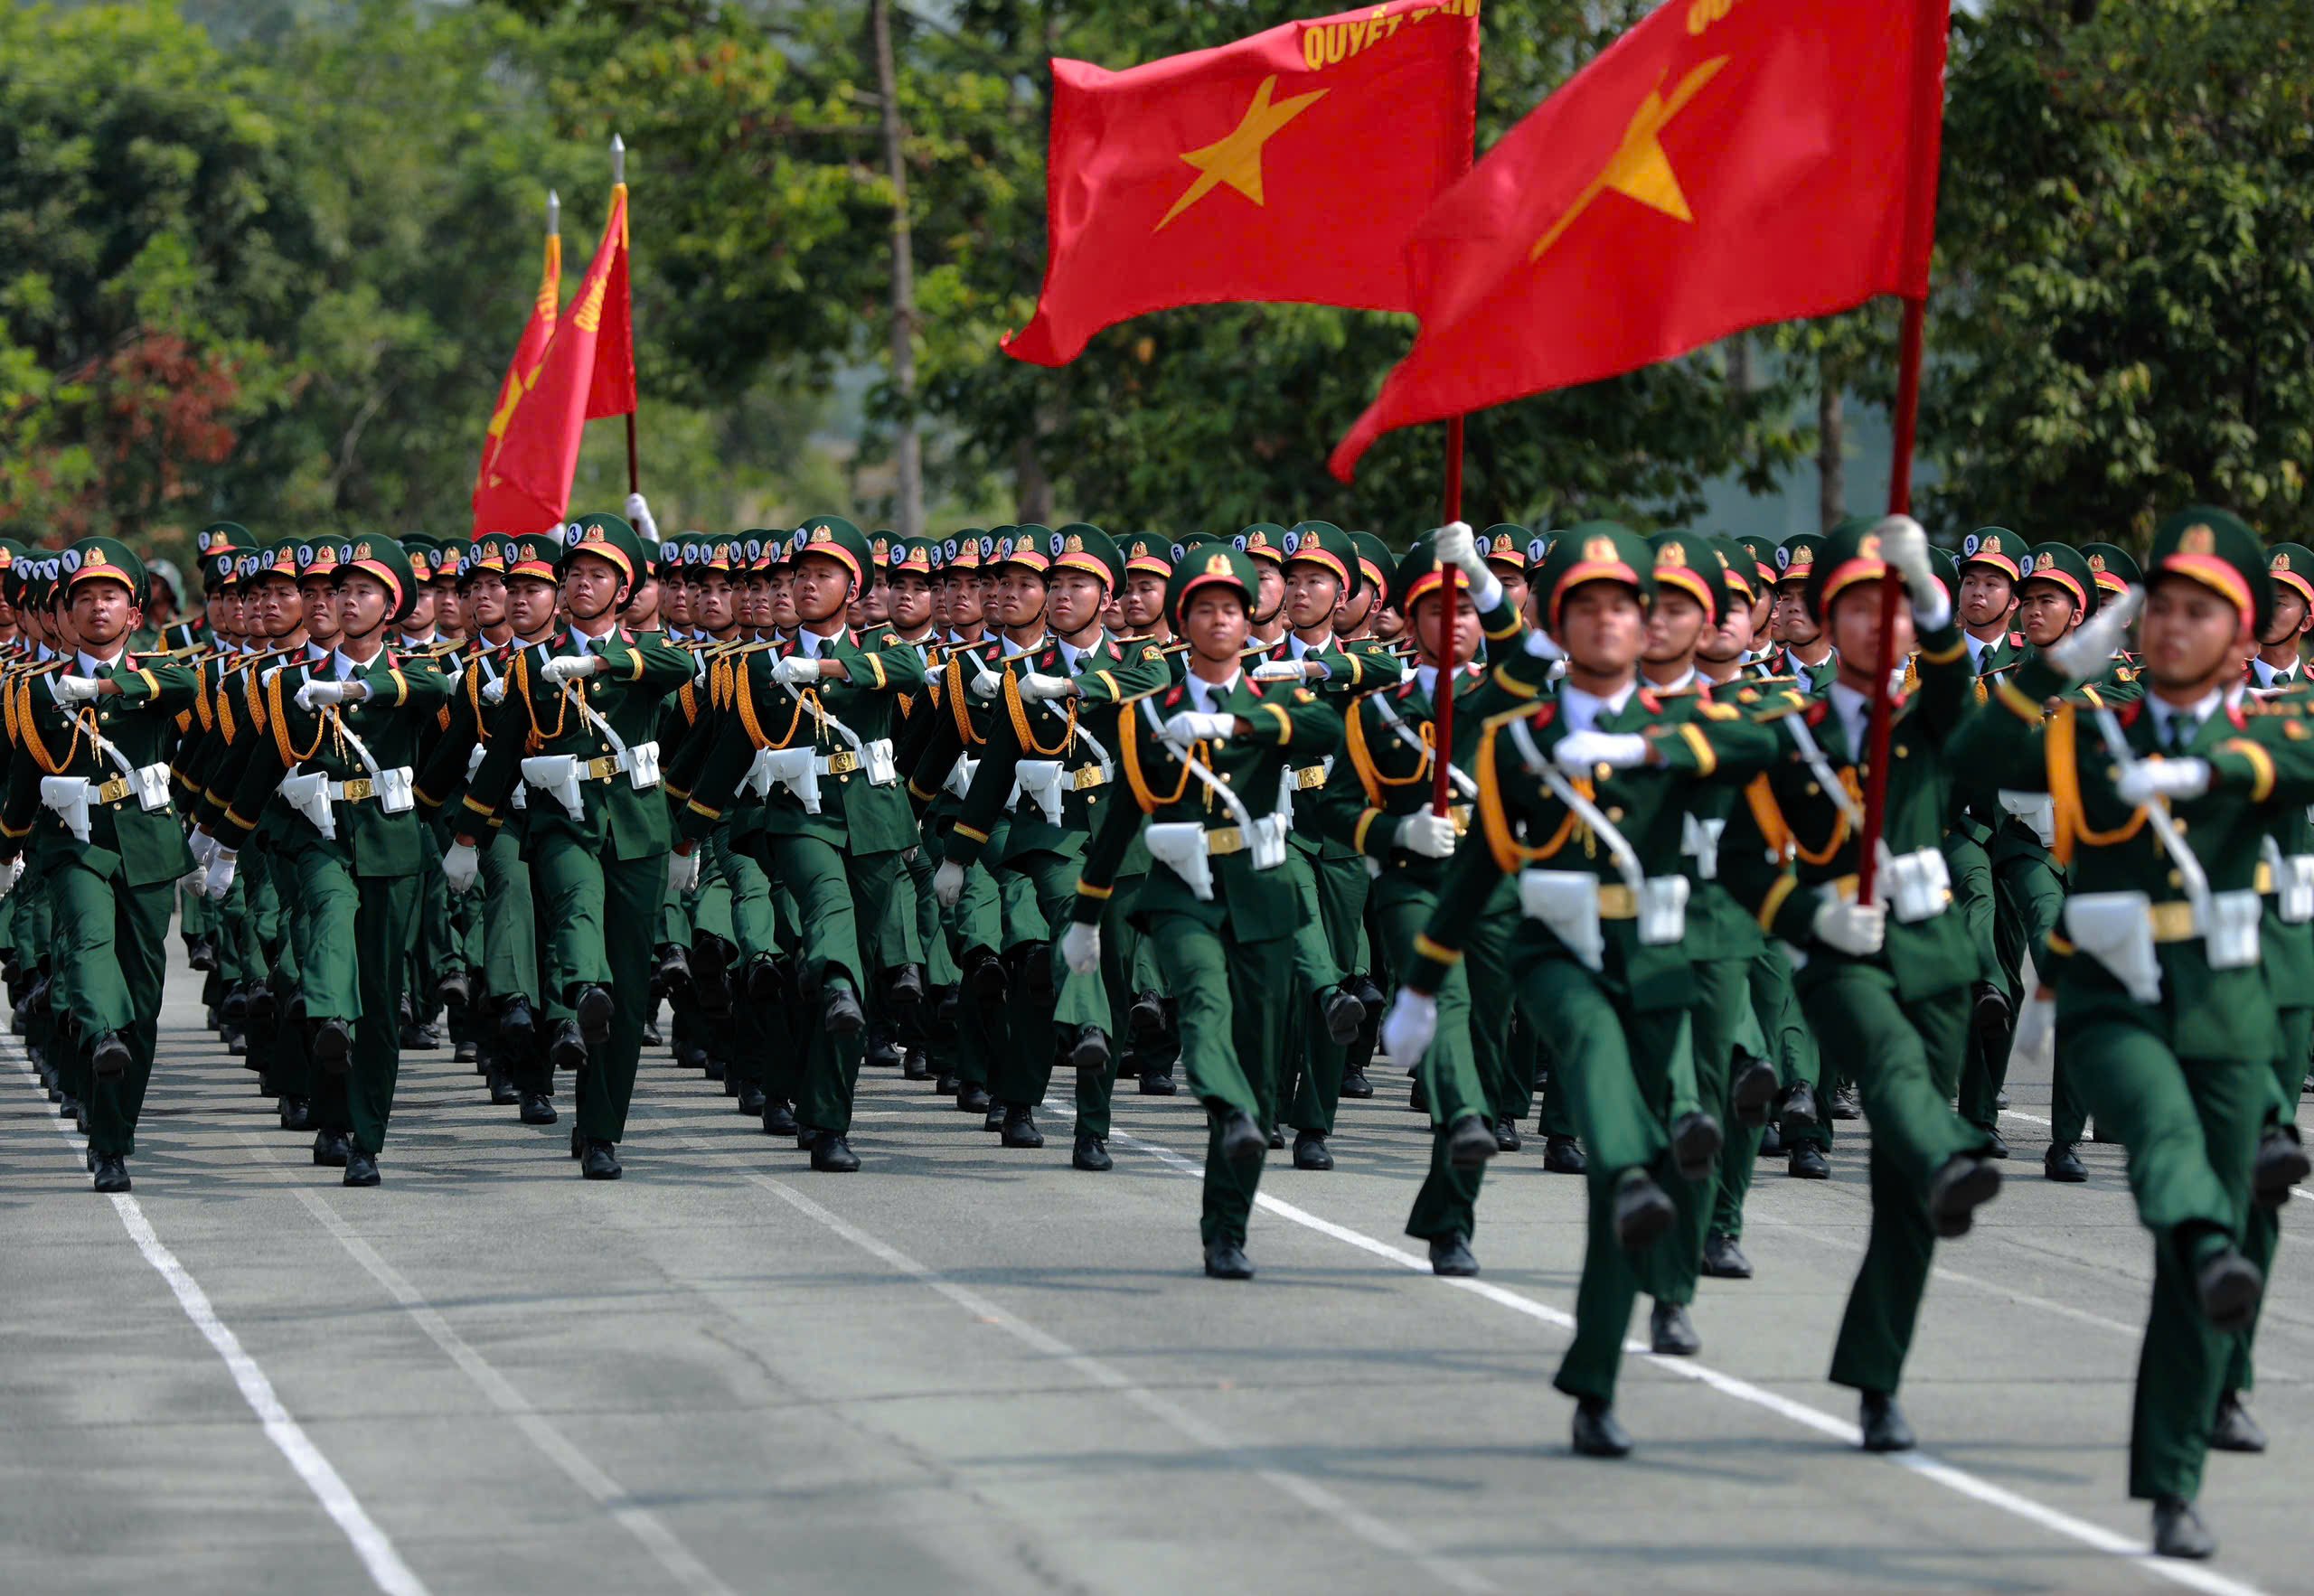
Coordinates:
1232	999
931	934
354	961
1739	1156
113	937
1906	1056
2028	896
1791	1044
579	895
828	882
1721	997
1309	1069
1447	1202
2191	1126
2294	1034
1620	1067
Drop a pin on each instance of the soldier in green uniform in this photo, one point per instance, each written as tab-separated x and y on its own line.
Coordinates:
2159	1003
576	729
813	733
93	741
340	748
1808	653
1378	800
1885	984
1598	962
1202	763
1986	605
1052	753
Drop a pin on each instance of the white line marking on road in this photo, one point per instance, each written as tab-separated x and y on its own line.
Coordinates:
371	1544
1373	1531
662	1543
1959	1481
2296	1191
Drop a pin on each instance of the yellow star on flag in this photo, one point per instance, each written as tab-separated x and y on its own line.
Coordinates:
1236	159
1639	169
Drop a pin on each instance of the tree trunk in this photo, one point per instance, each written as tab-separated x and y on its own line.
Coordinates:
1831	449
908	447
1030	485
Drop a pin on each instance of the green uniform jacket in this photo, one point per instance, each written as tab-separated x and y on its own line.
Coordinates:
125	843
2262	765
1283	726
537	717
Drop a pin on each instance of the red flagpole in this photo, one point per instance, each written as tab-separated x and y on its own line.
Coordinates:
1900	502
1443	709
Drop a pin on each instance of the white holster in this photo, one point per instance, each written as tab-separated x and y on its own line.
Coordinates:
960	776
1700	841
641	763
557	775
2293	876
797	769
1181	846
1266	841
151	783
878	763
396	790
1663	910
1039	780
2230	939
1566	902
1919	885
2036	810
2116	929
68	795
309	795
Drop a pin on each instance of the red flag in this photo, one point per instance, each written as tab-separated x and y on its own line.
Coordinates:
528	485
1287	166
523	370
612	393
1723	164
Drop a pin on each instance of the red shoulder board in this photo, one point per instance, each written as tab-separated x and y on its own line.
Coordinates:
1816	712
1405	687
1543	716
1649	702
2016	640
1173	698
1253	687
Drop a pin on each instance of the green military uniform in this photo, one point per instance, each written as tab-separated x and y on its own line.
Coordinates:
89	774
1202	763
1893	1002
2162	1011
576	729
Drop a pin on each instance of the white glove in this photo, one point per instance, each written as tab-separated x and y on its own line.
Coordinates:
2143	780
460	866
948	883
1539	644
988	683
9	877
1080	948
1409	1025
1188	726
1456	547
638	514
1037	685
75	690
1905	547
1857	930
220	880
683	872
1430	835
2091	646
1281	671
1579	751
796	670
189	881
565	668
315	694
493	692
2037	1024
203	846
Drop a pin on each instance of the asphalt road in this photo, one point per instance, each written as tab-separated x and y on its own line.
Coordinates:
965	1369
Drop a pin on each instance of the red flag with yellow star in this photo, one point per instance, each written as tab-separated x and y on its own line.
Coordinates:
529	353
1723	164
1289	167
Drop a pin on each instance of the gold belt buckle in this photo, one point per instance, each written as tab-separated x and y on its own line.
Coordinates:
602	769
113	790
359	789
1617	901
1086	775
843	763
2173	922
1459	814
2266	882
1308	776
1226	839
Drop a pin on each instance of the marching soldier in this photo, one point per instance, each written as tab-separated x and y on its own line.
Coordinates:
2155	987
